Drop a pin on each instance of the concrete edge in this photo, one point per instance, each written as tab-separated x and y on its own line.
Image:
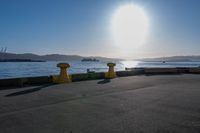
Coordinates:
40	80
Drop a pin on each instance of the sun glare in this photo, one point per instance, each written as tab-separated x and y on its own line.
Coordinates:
129	26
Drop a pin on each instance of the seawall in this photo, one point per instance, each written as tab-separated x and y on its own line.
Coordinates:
26	81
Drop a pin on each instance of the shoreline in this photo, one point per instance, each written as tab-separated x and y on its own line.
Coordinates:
20	60
39	80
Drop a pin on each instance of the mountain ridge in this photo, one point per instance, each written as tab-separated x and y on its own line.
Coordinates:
52	57
62	57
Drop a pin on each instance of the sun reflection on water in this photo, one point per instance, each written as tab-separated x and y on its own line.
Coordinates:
130	64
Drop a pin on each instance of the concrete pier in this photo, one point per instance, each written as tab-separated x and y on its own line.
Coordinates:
134	104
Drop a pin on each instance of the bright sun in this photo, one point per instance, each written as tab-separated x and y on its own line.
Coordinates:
129	26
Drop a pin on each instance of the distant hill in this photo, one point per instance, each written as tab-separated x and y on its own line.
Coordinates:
51	57
174	58
60	57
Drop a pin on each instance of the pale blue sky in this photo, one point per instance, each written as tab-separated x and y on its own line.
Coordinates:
82	27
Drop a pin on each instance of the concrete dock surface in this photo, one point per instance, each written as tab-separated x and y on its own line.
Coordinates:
135	104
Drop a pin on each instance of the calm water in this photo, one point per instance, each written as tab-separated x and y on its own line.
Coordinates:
27	69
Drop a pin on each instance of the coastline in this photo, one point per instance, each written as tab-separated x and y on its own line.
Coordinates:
20	60
24	81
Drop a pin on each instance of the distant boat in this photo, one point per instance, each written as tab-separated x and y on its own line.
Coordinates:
90	60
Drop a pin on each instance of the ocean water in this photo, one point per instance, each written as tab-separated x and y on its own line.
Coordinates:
31	69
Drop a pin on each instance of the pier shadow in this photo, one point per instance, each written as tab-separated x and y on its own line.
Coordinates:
104	81
28	91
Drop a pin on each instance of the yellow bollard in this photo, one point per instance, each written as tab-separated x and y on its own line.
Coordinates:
111	73
63	77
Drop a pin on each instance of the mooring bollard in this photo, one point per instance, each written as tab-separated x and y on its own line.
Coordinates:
111	73
63	77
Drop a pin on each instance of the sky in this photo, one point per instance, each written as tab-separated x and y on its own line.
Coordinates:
83	27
